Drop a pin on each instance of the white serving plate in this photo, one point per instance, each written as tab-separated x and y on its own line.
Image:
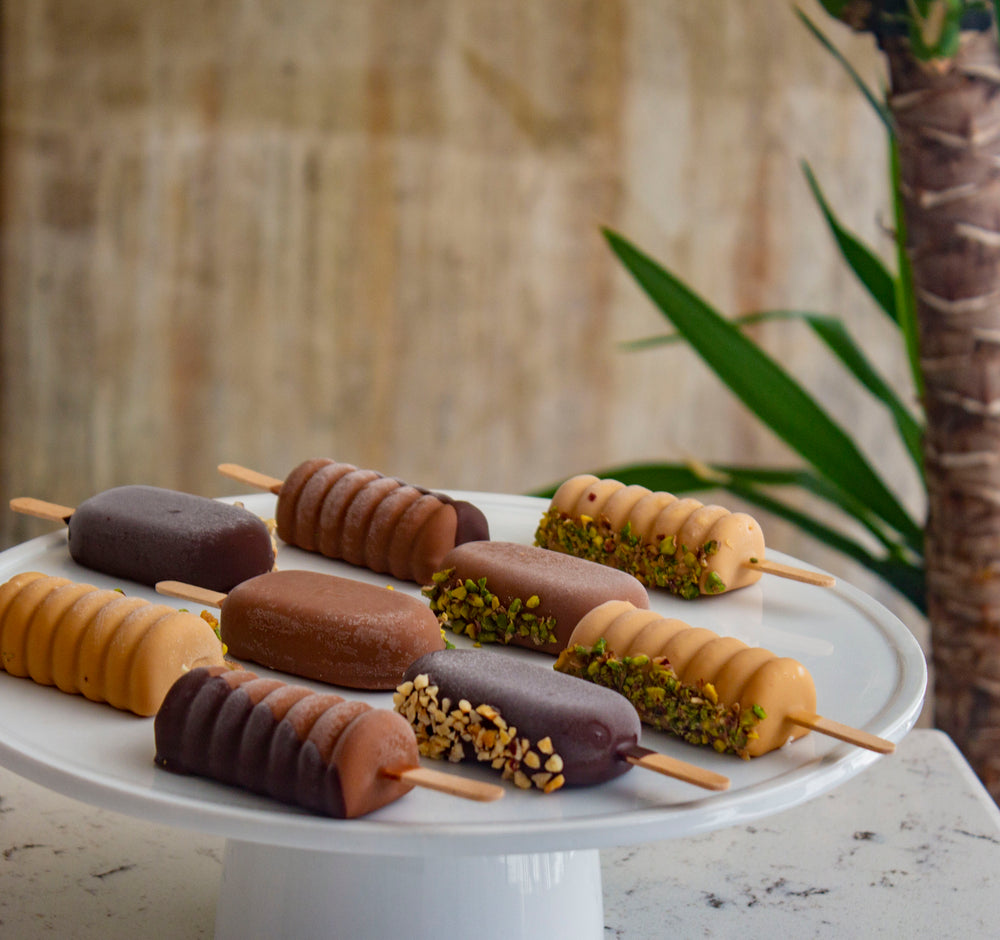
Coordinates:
868	669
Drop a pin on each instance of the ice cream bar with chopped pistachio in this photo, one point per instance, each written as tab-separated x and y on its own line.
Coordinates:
315	750
100	644
708	689
680	544
537	727
504	592
371	520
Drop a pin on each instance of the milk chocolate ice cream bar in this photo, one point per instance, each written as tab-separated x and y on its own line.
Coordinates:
367	519
331	756
100	644
320	626
538	728
707	689
504	592
148	534
679	544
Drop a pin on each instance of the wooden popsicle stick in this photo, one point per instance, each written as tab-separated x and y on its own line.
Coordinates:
672	767
835	729
451	784
190	592
29	506
260	481
764	566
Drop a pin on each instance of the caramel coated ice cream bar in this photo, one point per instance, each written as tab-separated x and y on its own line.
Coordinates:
705	688
504	592
148	534
538	728
367	519
100	644
668	542
330	756
320	626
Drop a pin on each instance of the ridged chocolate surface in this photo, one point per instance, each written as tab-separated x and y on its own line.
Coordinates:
373	521
588	731
305	748
148	534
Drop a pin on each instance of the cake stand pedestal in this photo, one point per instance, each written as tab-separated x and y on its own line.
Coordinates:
270	890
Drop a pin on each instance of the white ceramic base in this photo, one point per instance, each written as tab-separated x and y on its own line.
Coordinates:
286	892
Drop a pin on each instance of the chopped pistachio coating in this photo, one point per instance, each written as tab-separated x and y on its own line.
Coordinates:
677	568
662	701
470	609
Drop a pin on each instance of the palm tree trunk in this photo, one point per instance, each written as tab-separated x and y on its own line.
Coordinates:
947	116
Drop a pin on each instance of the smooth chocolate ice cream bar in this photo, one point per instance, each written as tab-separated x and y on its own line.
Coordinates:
330	756
100	644
539	728
371	520
148	534
328	628
504	592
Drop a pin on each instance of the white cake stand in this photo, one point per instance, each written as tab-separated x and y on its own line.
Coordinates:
430	865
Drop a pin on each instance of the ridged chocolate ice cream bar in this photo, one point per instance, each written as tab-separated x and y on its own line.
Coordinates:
371	520
318	751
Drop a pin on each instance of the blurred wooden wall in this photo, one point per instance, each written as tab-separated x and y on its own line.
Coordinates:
258	231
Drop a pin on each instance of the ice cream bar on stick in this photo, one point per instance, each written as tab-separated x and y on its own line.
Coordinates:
365	518
538	728
504	592
148	534
319	751
320	626
103	645
710	690
678	544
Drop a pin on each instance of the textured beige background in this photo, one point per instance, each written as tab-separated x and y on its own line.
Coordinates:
259	231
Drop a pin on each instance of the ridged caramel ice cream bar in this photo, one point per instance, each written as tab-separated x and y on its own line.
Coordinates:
100	644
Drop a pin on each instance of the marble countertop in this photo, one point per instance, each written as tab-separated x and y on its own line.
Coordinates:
910	847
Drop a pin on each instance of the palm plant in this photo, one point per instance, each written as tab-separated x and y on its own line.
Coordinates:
941	112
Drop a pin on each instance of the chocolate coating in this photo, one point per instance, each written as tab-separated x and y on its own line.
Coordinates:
370	520
328	628
148	534
309	749
587	731
566	587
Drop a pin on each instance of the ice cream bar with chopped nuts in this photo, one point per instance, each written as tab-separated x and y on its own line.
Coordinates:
678	544
148	534
504	592
321	626
333	757
705	688
536	726
100	644
371	520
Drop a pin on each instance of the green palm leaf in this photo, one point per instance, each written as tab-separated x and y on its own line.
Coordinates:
767	389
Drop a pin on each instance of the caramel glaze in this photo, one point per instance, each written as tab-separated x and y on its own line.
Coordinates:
373	521
100	644
740	674
309	749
